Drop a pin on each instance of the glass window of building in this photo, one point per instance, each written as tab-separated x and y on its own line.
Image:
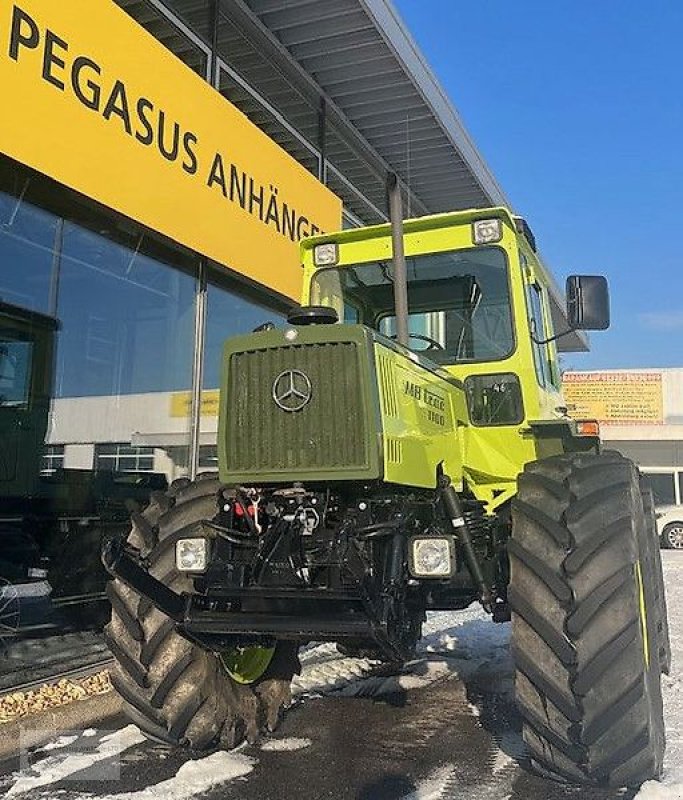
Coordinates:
208	457
663	487
97	336
53	459
121	457
228	314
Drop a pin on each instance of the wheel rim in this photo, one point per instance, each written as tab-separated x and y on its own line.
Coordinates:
674	536
9	612
247	664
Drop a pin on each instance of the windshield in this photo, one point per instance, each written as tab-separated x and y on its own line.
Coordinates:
458	302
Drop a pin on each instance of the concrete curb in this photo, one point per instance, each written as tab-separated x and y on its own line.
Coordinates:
36	730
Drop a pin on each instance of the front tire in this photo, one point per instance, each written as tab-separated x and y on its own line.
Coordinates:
584	635
173	690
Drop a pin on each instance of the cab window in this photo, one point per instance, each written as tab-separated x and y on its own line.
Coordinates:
545	369
458	302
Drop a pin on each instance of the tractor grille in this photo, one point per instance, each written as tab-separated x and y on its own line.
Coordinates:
328	434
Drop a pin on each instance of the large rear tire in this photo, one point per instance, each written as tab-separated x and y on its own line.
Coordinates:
584	634
173	690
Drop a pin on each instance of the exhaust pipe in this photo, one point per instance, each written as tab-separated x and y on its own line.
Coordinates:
398	259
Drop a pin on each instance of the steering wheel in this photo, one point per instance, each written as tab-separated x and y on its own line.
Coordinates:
433	344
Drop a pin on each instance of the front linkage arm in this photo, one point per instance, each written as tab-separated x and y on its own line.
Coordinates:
451	503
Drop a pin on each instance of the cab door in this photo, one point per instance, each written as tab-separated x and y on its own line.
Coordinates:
544	352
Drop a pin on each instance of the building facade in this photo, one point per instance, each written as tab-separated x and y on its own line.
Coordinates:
160	162
641	415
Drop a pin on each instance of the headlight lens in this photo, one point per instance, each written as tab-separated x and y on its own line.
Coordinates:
326	255
431	557
487	231
191	555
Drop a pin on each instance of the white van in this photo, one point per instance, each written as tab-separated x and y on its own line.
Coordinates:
667	486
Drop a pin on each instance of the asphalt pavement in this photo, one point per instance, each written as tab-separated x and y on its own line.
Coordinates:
445	727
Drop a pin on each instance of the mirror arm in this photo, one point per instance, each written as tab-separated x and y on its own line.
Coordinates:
552	338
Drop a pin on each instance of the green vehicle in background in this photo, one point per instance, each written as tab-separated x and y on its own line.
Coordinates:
51	526
401	446
26	357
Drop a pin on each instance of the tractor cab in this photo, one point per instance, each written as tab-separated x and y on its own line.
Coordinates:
478	302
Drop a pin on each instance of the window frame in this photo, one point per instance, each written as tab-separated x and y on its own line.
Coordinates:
545	367
116	457
52	453
384	314
674	474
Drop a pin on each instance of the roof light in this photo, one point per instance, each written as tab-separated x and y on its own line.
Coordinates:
326	255
487	231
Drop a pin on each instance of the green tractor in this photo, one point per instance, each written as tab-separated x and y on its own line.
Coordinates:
26	371
370	454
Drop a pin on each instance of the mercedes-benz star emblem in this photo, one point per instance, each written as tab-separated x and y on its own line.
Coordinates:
292	390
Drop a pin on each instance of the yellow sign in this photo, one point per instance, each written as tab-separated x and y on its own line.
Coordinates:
97	103
181	404
616	398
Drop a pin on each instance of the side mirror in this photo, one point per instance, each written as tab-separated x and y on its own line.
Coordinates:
587	302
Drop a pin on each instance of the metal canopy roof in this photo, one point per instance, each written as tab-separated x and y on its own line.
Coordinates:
385	110
358	56
282	61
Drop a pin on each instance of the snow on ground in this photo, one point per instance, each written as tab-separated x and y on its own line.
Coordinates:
464	642
58	766
671	785
288	743
194	777
434	786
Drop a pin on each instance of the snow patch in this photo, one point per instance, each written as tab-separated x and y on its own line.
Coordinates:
57	767
59	743
434	786
671	785
654	790
501	761
290	743
194	778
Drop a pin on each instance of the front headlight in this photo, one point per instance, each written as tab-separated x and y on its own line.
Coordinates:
191	555
432	557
